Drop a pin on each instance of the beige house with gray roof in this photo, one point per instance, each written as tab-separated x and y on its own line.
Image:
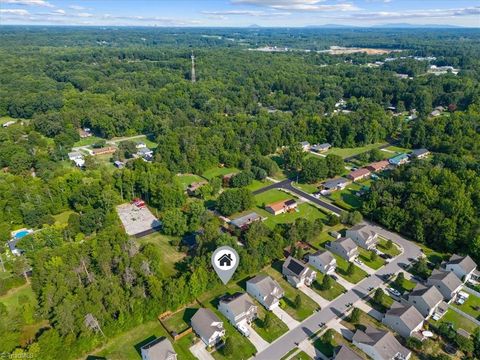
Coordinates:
158	349
266	290
363	236
324	261
425	299
239	309
344	247
462	266
380	344
446	282
207	326
403	319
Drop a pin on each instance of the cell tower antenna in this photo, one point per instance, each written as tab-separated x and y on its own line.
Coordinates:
193	77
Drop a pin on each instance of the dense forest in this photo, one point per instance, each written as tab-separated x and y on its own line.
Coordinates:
244	106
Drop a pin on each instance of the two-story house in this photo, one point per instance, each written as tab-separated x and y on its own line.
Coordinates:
266	290
344	247
380	344
324	261
297	273
403	319
207	326
158	349
463	266
363	236
446	282
240	310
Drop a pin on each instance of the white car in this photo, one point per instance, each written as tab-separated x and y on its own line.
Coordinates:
393	291
243	329
359	262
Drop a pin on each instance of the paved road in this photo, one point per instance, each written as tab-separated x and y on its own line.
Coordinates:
336	308
287	185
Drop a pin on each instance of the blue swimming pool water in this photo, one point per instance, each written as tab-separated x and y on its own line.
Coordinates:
21	234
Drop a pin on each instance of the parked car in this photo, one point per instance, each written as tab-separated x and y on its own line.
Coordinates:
359	262
316	195
394	291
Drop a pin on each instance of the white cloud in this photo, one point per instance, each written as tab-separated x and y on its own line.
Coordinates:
299	5
77	7
432	13
28	2
59	12
244	13
18	12
84	15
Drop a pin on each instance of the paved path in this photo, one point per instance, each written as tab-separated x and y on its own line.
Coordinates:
337	307
285	317
287	185
257	340
341	329
200	352
369	310
366	268
346	284
312	294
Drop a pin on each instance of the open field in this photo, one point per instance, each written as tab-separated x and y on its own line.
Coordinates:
218	171
308	188
271	196
304	210
170	254
62	218
88	141
257	184
347	152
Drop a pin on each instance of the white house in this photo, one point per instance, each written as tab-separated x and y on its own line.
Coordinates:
344	247
462	266
425	299
380	344
207	326
446	282
297	273
240	310
266	290
363	236
323	261
158	349
403	319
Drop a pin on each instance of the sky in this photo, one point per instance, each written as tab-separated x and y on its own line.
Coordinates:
239	13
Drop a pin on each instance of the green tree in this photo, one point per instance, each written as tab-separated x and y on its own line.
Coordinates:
327	282
174	222
350	268
298	301
373	256
389	244
335	165
228	347
314	169
355	316
400	279
267	320
378	296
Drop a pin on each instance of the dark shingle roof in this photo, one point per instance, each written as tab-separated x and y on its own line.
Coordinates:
465	262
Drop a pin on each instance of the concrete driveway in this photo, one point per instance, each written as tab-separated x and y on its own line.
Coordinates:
285	317
257	340
200	352
347	285
314	296
369	310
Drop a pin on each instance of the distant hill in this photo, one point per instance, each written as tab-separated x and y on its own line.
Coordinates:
411	26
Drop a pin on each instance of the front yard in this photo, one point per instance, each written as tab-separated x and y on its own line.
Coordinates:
276	329
347	198
330	294
342	266
365	257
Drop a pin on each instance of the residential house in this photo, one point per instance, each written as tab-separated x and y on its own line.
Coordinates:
363	235
158	349
104	151
359	174
226	179
463	266
446	282
297	273
84	133
425	299
435	113
118	164
399	159
145	152
240	310
281	207
193	187
378	166
243	221
335	184
140	145
305	145
324	261
207	326
403	319
380	344
319	148
344	247
266	290
419	153
345	353
77	158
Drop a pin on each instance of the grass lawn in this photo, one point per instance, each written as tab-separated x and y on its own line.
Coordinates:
308	188
325	348
218	171
271	196
324	236
387	302
5	119
458	321
347	152
304	210
346	199
364	320
88	141
330	294
62	218
398	149
383	247
342	265
257	184
180	321
301	356
277	327
365	258
11	299
471	306
186	179
408	285
288	301
127	345
170	254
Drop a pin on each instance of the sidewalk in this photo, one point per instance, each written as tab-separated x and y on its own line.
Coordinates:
257	340
285	317
362	305
347	285
314	296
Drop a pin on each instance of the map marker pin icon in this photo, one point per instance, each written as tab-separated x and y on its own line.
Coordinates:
225	261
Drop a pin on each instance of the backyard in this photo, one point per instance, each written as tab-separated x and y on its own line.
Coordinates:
218	171
347	198
458	321
186	179
180	321
471	306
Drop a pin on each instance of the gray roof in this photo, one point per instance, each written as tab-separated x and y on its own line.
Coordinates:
345	353
294	265
325	256
238	303
408	314
383	341
465	262
267	286
246	219
346	243
420	152
159	349
202	322
449	279
333	183
365	231
324	146
304	143
429	294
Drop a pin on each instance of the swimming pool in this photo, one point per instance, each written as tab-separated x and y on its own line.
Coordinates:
21	234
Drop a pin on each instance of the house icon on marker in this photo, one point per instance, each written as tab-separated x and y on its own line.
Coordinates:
225	260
